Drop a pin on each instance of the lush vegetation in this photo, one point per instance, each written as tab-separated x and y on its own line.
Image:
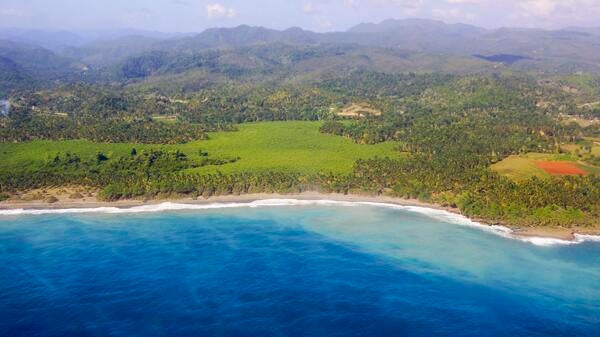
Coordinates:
290	147
477	192
98	130
283	146
273	111
96	114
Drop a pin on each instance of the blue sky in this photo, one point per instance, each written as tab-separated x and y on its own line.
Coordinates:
319	15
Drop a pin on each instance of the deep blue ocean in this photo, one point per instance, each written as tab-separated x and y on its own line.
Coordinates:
309	270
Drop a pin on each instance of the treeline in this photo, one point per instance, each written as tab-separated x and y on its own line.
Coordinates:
475	190
101	170
27	127
248	103
374	85
95	113
452	133
216	105
481	193
411	105
494	134
99	101
565	201
110	114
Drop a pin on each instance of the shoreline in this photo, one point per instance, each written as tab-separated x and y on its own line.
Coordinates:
566	234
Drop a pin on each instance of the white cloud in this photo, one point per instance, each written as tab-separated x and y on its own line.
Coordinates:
324	23
14	13
540	8
401	3
408	7
558	8
219	11
452	14
310	8
465	2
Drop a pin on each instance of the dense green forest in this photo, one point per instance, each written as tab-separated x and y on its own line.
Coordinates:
450	118
450	129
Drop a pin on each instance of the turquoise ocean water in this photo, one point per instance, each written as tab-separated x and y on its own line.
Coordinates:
288	269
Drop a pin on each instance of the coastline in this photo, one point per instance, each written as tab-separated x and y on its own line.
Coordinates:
526	233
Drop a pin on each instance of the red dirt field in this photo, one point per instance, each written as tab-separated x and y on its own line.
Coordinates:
560	168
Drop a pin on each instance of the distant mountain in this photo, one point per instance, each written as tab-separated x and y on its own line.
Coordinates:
503	58
277	64
23	65
587	30
12	77
105	52
98	35
565	50
241	36
37	60
418	26
58	40
101	53
246	53
42	38
560	51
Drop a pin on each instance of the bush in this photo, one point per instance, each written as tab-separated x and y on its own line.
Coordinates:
76	196
52	199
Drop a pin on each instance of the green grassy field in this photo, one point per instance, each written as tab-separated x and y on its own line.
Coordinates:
29	156
289	146
295	146
523	166
518	167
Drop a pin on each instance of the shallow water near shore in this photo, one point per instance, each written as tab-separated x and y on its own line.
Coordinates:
304	270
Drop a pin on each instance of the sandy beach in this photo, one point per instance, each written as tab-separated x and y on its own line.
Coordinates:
89	202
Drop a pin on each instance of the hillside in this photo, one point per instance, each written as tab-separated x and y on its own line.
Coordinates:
25	66
281	64
259	54
529	49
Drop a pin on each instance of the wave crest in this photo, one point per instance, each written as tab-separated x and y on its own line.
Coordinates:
430	212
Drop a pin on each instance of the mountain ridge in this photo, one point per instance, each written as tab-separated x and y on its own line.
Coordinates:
235	51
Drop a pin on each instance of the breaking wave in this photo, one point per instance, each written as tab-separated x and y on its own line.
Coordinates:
430	212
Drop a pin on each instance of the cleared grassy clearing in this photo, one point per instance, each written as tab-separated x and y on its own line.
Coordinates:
30	156
596	145
589	169
526	166
358	110
519	168
287	146
584	123
165	119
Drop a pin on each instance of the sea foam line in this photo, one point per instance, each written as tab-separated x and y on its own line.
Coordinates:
430	212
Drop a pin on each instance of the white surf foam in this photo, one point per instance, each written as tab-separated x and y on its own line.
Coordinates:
170	206
494	229
431	212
